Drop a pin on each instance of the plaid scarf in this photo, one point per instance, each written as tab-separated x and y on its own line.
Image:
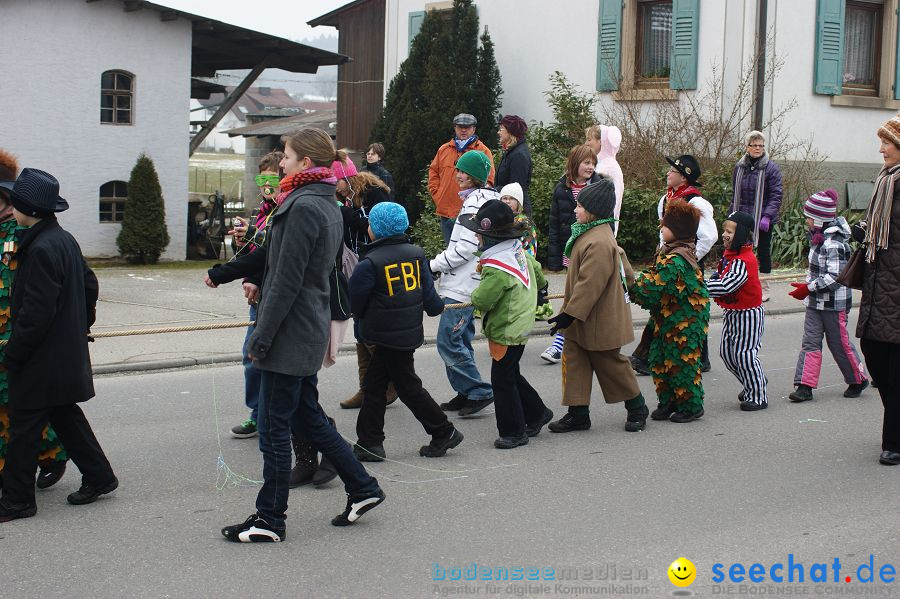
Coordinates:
878	216
314	175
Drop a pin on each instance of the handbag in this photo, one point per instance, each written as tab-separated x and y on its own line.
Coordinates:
852	274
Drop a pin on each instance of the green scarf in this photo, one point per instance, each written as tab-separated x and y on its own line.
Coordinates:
579	229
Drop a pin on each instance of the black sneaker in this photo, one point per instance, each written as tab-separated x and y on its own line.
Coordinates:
662	412
682	417
455	404
801	393
245	430
532	430
50	475
90	493
637	419
325	473
752	406
855	390
473	406
357	505
570	422
510	442
639	365
253	530
12	511
374	453
439	445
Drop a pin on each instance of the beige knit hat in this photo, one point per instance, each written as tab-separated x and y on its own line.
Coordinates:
890	131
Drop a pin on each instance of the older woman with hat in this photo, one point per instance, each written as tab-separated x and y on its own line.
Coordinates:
515	165
879	311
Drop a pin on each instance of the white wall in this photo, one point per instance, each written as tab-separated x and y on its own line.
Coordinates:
50	106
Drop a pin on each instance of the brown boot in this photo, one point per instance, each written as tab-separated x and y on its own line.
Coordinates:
391	395
363	357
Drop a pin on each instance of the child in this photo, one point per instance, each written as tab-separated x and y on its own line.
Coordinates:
673	290
389	289
605	141
512	195
580	166
827	301
506	295
736	288
596	317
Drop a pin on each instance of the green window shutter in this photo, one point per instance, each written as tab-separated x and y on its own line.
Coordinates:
829	47
685	38
609	46
897	73
415	23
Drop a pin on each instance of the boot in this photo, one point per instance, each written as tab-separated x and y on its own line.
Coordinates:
363	357
307	462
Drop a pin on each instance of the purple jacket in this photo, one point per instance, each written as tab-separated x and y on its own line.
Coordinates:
772	192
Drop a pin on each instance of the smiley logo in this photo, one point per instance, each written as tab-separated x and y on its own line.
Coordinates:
682	572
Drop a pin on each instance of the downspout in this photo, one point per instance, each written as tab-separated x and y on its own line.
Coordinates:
760	87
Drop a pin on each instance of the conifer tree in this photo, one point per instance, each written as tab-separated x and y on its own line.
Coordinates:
144	234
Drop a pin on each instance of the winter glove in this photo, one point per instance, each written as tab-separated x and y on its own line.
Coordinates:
858	231
801	290
764	224
560	321
542	294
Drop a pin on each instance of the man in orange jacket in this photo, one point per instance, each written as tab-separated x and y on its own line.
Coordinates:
442	183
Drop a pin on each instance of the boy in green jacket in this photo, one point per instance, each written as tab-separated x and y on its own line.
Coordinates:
506	297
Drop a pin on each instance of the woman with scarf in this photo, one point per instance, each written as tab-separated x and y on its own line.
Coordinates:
879	312
52	459
515	165
757	191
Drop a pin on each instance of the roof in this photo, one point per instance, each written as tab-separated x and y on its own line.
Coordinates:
202	89
331	17
285	126
254	100
217	45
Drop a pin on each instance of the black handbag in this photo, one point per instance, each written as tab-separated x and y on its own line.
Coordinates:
853	273
340	295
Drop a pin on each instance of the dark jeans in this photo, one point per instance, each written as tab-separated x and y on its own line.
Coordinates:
447	229
516	403
764	251
287	402
883	362
396	366
252	376
73	431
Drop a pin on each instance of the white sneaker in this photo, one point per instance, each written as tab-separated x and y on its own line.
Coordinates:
552	355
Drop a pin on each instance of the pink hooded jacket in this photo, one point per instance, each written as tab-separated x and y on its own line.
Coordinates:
610	140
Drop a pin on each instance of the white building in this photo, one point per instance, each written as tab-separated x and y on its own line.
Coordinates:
90	85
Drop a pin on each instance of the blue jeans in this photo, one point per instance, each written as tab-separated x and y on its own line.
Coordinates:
289	403
251	374
447	229
454	344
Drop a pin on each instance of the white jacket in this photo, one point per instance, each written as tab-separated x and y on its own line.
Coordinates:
457	263
707	232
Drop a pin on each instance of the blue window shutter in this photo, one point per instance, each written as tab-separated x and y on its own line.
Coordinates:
897	73
609	46
415	23
685	38
829	47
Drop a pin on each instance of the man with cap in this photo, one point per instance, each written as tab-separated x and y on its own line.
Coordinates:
53	307
442	183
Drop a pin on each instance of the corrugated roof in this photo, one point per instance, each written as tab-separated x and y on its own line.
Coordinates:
325	119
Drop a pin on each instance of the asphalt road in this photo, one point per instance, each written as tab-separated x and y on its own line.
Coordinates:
731	487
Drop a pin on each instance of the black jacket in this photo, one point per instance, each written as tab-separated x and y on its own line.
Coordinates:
562	217
382	173
249	265
356	220
54	301
515	167
388	291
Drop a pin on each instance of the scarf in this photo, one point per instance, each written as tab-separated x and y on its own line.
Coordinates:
509	257
682	192
685	249
878	215
760	165
579	229
317	174
462	144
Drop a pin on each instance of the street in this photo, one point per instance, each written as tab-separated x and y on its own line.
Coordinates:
733	487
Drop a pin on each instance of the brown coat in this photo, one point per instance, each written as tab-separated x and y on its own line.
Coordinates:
442	177
594	293
879	309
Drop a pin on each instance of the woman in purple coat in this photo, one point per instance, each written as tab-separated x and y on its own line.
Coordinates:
757	191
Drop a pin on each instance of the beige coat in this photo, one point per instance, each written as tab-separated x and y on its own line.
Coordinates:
594	293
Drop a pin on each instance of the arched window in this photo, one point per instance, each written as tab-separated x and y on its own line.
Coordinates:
117	98
113	196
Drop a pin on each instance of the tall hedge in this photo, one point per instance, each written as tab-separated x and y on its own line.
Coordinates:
144	234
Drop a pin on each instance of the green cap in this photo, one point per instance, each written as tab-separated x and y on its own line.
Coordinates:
475	164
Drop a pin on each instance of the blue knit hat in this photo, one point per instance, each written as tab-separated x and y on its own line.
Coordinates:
388	219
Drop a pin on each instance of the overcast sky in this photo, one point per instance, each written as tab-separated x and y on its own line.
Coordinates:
284	18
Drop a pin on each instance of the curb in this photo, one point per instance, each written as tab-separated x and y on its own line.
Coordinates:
231	358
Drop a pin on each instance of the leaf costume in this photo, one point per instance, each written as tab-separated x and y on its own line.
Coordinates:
676	296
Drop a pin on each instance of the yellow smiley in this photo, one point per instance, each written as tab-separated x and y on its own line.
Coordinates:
682	572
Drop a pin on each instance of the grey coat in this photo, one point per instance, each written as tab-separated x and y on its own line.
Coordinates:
292	325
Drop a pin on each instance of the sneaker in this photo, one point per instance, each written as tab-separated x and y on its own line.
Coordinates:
662	412
532	430
637	419
752	406
455	404
552	355
511	442
357	505
473	406
90	493
801	393
855	390
245	430
374	453
639	365
682	417
325	473
888	458
12	511
253	530
570	422
439	445
50	475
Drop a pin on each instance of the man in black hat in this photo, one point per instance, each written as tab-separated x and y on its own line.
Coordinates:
53	306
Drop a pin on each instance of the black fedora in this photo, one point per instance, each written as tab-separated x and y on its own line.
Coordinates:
688	166
495	220
35	192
